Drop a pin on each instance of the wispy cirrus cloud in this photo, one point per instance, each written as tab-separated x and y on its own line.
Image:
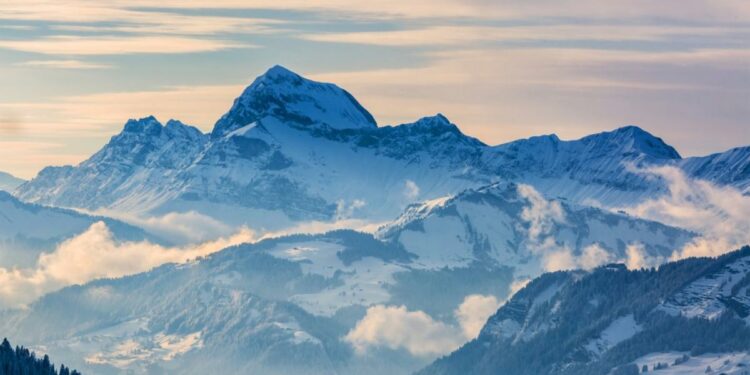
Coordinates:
130	17
84	45
102	114
488	65
462	35
64	64
728	10
487	92
79	125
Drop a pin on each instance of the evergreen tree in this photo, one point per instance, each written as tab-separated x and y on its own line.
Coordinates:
22	361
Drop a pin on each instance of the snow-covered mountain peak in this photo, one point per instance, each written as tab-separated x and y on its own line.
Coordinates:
150	127
631	140
147	125
436	120
729	167
296	101
278	72
176	128
508	223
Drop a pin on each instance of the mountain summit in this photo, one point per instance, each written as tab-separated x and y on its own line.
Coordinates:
634	141
291	149
292	99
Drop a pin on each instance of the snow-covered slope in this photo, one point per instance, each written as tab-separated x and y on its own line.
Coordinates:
510	224
26	230
294	100
726	288
591	168
681	363
9	182
727	168
290	149
136	168
611	320
298	296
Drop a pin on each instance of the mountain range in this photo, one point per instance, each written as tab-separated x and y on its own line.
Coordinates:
298	296
290	149
458	221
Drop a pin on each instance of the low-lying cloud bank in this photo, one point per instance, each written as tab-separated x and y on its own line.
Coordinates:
543	215
95	254
395	327
719	214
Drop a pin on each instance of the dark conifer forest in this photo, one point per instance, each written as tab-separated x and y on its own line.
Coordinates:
22	361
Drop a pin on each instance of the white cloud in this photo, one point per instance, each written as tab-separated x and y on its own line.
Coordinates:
411	190
719	214
559	259
316	227
637	258
94	254
473	313
541	214
176	227
593	256
396	327
345	211
517	285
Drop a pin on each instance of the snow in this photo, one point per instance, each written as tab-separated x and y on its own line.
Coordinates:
724	363
22	238
161	347
618	331
242	131
296	125
488	225
527	331
316	257
280	92
703	297
440	245
363	281
729	167
293	151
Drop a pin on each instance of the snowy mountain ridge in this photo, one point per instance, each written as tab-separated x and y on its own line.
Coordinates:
292	300
615	321
291	149
292	99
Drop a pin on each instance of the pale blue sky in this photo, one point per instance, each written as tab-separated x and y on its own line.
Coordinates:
72	72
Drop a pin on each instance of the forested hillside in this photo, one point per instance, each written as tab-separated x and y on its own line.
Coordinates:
22	361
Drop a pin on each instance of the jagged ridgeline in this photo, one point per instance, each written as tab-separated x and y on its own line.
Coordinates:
22	361
615	321
290	149
470	219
